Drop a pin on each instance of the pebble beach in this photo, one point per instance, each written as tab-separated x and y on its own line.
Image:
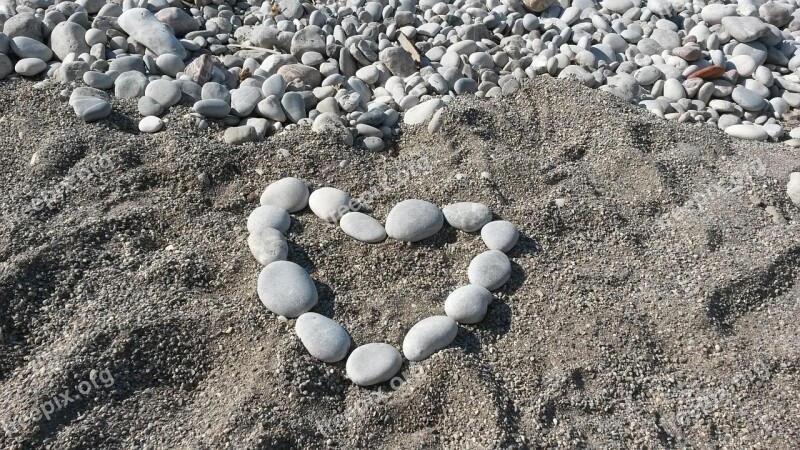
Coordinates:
399	224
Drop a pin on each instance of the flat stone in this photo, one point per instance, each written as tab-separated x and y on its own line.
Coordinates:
322	337
294	106
215	109
329	204
747	99
25	47
178	20
468	304
362	227
428	336
170	64
286	289
91	109
271	108
240	135
289	194
398	61
29	67
268	216
150	124
414	220
491	269
130	85
749	132
373	363
467	216
244	100
500	235
745	29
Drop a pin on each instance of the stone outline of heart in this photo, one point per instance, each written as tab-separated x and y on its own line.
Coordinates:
348	354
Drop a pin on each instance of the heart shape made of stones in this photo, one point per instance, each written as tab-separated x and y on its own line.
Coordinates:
286	288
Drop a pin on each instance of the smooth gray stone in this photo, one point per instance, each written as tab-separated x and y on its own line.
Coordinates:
745	29
130	85
373	144
468	304
423	112
212	108
80	92
5	44
294	106
271	108
273	85
149	107
290	194
362	227
91	109
309	76
29	67
749	132
145	28
398	61
286	289
309	39
25	47
24	24
467	216
177	19
414	220
240	135
491	269
500	235
323	338
100	80
747	99
165	92
244	100
373	363
267	245
755	50
170	64
329	204
715	12
6	67
216	91
268	216
126	64
428	336
68	37
150	124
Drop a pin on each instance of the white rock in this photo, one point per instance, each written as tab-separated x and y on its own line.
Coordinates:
423	112
150	124
468	304
750	132
324	338
793	188
373	363
268	216
414	220
428	336
286	289
500	235
267	245
362	227
329	204
467	216
491	269
288	193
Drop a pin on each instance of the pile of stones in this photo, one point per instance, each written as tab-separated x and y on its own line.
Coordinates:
286	289
350	68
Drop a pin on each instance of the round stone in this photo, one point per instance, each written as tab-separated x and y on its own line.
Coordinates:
373	363
467	216
499	235
166	93
414	220
491	269
373	143
150	124
286	289
429	336
289	194
329	204
268	216
149	107
468	304
170	64
362	227
29	67
322	337
267	245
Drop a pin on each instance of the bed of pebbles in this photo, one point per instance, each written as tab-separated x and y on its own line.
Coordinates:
353	68
286	289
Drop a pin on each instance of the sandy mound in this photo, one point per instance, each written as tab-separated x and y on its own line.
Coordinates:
654	300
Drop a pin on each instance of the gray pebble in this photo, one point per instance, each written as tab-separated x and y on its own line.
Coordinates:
329	204
373	363
428	336
468	304
323	338
490	269
289	193
214	109
362	227
268	216
467	216
414	220
267	245
286	289
500	235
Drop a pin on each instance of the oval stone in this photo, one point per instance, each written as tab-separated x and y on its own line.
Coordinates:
362	227
429	336
267	245
491	269
329	204
288	193
268	216
373	363
324	338
749	132
468	304
286	289
499	235
467	216
212	108
414	220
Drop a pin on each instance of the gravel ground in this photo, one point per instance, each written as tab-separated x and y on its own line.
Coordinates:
653	302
